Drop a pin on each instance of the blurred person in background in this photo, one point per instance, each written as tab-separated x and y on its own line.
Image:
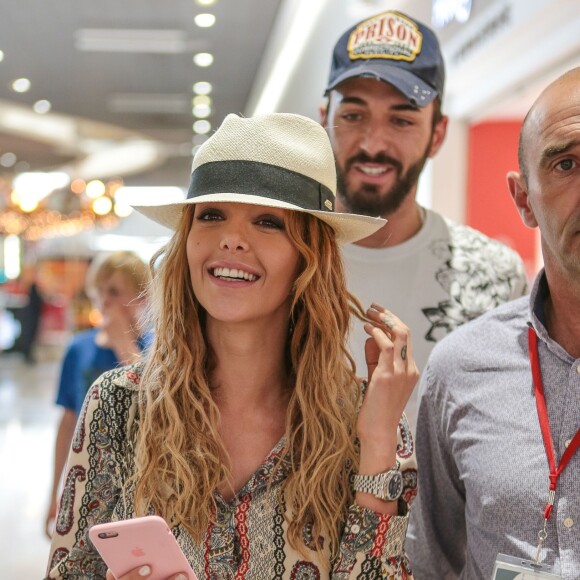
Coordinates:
115	284
29	315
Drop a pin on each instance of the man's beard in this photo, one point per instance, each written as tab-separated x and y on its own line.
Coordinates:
368	200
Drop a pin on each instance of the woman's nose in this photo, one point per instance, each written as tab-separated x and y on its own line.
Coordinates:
234	242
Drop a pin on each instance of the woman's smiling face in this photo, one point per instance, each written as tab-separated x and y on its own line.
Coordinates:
241	261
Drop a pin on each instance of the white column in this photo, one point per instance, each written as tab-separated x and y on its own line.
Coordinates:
449	173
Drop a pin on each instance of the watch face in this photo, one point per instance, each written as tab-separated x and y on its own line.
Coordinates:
395	486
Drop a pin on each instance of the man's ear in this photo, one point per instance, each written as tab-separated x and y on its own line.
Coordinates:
519	191
323	112
439	132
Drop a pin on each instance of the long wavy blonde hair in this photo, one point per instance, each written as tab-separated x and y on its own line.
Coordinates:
180	458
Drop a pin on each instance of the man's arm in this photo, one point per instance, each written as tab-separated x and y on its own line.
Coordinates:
436	541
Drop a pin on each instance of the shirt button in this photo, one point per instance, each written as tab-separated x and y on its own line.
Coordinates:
568	522
567	443
578	369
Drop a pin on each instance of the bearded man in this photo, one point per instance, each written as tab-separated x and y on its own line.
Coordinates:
383	116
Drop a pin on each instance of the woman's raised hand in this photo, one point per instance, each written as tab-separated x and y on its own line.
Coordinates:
392	373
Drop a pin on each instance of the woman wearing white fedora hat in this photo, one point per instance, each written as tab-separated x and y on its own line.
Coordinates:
245	426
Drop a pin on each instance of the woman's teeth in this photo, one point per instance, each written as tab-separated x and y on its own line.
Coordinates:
232	273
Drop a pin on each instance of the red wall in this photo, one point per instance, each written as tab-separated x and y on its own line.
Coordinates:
493	151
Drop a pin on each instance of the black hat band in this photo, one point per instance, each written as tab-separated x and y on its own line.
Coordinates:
263	180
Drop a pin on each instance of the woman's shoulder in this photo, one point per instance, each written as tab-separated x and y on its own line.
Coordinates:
127	378
112	400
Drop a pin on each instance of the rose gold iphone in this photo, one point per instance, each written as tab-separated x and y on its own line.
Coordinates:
129	544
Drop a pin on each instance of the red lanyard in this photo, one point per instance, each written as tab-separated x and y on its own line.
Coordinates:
545	424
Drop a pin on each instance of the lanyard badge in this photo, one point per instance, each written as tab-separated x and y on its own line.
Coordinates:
508	567
511	568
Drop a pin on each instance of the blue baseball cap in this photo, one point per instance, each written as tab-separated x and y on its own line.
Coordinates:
394	48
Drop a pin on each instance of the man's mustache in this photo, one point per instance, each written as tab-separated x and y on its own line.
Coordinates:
381	159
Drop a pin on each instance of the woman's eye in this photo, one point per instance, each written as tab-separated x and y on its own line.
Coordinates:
209	215
271	222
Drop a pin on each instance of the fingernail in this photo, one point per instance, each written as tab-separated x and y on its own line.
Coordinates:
181	577
144	571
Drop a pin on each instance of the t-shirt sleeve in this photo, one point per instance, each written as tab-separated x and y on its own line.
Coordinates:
69	386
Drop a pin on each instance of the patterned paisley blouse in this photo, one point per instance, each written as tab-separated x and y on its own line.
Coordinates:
248	540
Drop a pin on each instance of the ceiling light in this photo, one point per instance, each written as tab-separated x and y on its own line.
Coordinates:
7	159
102	205
95	189
122	210
201	100
21	85
131	40
41	107
206	2
1	56
204	20
203	59
202	88
31	188
202	111
78	186
127	157
54	129
202	127
28	204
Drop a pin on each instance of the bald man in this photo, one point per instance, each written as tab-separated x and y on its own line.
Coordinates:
486	483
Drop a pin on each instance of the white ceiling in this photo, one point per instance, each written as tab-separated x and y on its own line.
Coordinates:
108	97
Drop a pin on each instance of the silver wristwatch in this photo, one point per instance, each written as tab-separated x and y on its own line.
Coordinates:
387	486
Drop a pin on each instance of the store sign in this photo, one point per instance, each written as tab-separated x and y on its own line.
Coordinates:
445	11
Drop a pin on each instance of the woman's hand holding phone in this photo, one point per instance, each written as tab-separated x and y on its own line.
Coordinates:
140	548
143	572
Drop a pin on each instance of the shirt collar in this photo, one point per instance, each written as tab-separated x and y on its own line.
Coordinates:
537	316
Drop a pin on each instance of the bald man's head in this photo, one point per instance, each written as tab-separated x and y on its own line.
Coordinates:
531	124
546	191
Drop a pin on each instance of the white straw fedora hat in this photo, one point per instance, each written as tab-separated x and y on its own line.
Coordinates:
275	160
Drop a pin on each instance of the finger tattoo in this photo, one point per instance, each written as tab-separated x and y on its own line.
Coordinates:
404	352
